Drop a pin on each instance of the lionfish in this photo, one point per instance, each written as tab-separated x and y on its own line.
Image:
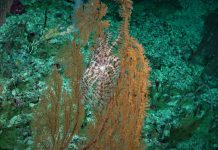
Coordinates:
99	78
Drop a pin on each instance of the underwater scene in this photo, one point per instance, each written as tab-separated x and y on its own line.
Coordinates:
108	74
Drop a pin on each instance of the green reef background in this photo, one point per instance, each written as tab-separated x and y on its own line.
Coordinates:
180	38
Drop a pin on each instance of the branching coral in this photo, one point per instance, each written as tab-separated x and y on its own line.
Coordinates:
59	114
89	20
119	125
123	94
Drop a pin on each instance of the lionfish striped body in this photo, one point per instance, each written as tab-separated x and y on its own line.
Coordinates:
99	78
